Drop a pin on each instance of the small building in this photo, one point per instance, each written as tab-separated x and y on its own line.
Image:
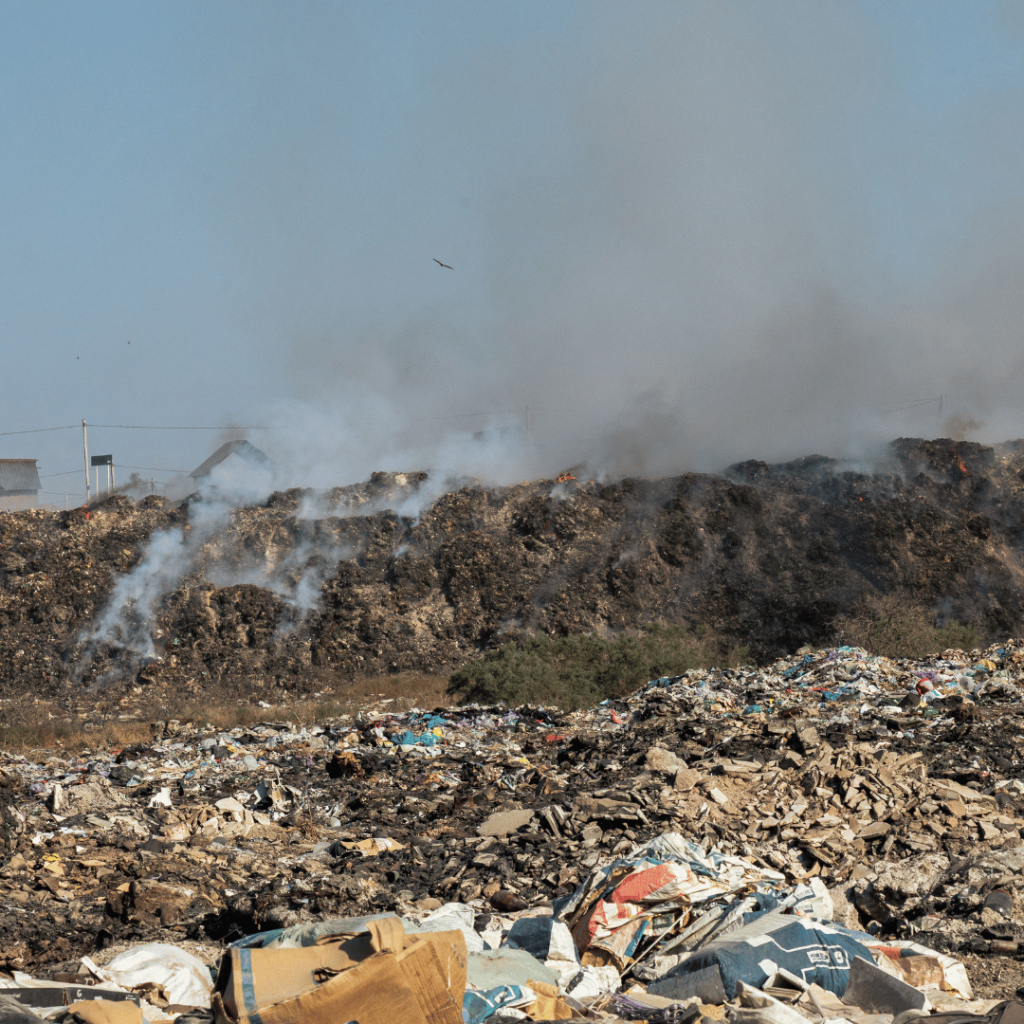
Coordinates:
236	458
19	484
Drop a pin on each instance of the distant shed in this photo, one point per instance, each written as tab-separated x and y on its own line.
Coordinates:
240	452
19	484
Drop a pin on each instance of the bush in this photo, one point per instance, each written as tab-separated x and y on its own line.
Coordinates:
580	671
896	626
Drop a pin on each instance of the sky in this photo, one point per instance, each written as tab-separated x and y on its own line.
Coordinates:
682	233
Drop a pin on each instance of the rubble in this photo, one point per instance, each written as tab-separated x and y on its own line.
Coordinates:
652	831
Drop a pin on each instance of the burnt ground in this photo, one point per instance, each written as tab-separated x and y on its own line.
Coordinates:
309	589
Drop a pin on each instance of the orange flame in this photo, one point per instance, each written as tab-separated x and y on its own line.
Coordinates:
564	478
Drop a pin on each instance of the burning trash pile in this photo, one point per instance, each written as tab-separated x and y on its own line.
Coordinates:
153	601
834	836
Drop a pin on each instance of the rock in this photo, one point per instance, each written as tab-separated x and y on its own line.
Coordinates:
90	797
843	910
991	918
507	902
806	739
686	779
660	760
230	806
916	876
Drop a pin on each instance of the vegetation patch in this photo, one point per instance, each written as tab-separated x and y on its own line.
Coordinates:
574	672
897	626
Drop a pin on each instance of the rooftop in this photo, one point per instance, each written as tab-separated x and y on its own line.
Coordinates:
249	452
19	475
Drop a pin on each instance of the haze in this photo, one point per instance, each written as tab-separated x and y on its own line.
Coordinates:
682	234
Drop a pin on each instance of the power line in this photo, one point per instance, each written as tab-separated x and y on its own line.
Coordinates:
908	403
126	426
40	430
120	465
122	426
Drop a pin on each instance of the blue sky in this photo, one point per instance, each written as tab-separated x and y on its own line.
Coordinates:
682	233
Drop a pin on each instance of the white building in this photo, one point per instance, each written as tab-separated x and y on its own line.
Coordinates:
19	484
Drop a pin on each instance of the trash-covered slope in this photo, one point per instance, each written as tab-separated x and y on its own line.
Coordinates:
381	577
892	785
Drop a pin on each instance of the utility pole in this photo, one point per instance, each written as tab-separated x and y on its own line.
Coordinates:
85	450
938	423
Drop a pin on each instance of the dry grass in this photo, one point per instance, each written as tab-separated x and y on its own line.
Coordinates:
68	735
35	728
898	626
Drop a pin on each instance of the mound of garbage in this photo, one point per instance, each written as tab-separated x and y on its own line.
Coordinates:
394	575
834	835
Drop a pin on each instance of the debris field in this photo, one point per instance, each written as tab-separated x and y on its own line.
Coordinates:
826	835
883	796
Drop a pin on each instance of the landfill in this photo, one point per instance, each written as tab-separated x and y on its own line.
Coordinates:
831	836
130	604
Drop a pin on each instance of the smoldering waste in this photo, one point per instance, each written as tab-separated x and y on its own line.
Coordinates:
395	575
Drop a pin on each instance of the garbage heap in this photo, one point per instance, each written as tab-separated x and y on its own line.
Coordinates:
836	835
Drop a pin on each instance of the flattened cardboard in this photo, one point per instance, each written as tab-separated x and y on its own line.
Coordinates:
105	1011
549	1005
376	977
373	992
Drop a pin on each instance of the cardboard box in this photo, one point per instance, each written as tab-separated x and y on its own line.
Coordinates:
378	976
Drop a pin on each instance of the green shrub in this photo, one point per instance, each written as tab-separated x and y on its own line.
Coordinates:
580	671
961	635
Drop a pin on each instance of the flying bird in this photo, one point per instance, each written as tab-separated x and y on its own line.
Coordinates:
440	264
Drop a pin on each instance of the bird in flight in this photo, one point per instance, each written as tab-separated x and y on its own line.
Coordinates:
445	265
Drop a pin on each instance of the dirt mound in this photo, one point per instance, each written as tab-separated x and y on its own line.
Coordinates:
376	578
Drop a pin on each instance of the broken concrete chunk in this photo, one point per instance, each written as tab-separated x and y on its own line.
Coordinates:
913	877
806	739
232	807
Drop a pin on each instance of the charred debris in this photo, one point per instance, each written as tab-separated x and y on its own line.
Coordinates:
387	576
